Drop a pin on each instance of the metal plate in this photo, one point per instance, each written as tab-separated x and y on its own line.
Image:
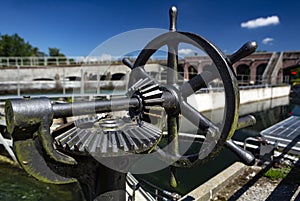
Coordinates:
285	133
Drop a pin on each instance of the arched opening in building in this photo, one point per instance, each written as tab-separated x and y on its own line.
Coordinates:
259	73
117	76
243	74
43	79
103	77
192	71
73	78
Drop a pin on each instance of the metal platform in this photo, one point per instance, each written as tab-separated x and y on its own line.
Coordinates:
285	135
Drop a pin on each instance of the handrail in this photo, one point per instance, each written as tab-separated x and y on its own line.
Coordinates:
61	61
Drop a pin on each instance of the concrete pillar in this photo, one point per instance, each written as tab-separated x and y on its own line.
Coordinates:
186	71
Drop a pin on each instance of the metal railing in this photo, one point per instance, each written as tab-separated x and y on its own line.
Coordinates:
51	61
248	80
63	61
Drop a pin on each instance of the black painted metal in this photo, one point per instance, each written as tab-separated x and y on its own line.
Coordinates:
108	137
245	156
223	67
247	49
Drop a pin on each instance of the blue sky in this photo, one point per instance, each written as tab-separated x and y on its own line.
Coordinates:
76	27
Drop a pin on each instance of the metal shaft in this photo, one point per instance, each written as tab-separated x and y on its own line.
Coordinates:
88	107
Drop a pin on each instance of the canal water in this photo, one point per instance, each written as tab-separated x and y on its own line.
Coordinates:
190	178
15	184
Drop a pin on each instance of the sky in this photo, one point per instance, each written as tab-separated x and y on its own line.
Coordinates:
77	27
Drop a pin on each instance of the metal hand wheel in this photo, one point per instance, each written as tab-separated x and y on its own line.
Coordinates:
173	98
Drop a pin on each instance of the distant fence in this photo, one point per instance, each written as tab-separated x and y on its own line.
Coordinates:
62	61
50	61
248	80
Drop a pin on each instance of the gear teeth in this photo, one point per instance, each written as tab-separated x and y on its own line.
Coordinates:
152	94
142	85
108	137
131	144
138	86
86	122
150	88
61	139
121	141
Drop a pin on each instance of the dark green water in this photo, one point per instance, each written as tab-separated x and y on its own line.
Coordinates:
15	184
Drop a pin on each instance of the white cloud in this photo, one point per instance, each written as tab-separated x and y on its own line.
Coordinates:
267	40
185	51
261	22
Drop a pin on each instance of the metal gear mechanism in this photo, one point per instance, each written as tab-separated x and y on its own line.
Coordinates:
153	108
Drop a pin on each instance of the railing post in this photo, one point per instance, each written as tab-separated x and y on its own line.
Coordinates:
18	77
98	82
64	81
82	82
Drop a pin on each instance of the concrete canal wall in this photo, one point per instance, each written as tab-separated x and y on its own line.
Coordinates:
215	100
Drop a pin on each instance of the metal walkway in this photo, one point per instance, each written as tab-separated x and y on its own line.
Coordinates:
285	135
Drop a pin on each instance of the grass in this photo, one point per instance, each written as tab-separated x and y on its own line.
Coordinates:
278	173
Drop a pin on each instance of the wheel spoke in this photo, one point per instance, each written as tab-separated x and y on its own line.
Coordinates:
196	117
172	122
172	71
196	83
172	77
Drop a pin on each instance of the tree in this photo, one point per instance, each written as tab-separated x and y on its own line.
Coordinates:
55	52
15	46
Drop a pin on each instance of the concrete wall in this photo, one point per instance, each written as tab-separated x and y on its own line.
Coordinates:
253	95
213	100
31	73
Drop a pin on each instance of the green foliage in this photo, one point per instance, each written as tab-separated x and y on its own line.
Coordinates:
14	46
55	52
277	173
